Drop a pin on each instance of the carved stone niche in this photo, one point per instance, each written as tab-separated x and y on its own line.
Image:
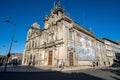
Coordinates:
72	50
71	29
54	23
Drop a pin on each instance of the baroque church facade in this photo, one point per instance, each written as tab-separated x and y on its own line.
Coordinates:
62	42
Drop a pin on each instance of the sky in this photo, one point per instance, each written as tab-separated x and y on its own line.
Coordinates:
103	16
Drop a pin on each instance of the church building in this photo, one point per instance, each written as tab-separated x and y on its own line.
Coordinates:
62	41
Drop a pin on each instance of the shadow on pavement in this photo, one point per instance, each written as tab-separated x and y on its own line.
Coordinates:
114	71
47	76
115	78
24	69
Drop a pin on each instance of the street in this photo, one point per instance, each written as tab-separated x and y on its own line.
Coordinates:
107	73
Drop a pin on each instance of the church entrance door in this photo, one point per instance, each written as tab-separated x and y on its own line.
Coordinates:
50	58
71	59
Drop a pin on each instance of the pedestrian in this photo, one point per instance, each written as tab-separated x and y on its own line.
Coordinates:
97	63
57	63
29	63
16	63
13	63
93	64
62	64
104	63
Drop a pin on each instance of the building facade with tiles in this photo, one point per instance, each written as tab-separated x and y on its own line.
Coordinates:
62	42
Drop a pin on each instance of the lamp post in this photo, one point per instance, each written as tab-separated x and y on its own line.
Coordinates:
8	55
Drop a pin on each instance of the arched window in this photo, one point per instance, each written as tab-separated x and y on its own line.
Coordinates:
33	44
26	46
34	60
78	37
29	45
29	34
36	44
70	34
30	57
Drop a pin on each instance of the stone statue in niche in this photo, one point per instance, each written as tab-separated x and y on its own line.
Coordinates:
54	36
51	36
55	33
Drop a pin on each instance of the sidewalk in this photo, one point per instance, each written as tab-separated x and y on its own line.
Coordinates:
24	68
66	68
76	68
70	68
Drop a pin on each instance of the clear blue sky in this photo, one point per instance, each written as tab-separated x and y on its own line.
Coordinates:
102	15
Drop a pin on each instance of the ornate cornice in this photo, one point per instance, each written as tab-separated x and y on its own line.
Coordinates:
51	44
84	31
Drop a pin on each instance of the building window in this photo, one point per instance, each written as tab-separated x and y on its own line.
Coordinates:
27	47
70	35
78	37
93	43
30	57
33	44
29	35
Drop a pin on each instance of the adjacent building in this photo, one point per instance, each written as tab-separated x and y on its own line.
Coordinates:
62	41
112	50
15	57
2	60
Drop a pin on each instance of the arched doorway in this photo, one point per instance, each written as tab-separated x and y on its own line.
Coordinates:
34	60
30	61
50	58
71	59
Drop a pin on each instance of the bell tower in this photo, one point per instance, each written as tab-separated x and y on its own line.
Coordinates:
55	14
58	9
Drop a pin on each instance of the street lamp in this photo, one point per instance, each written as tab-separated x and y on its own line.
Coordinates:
8	55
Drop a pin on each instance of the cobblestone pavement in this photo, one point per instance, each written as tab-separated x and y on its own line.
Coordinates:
107	73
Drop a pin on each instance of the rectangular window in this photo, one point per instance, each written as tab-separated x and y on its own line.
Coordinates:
70	35
92	43
78	37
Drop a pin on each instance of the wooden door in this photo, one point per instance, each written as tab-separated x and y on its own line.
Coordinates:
50	58
71	59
